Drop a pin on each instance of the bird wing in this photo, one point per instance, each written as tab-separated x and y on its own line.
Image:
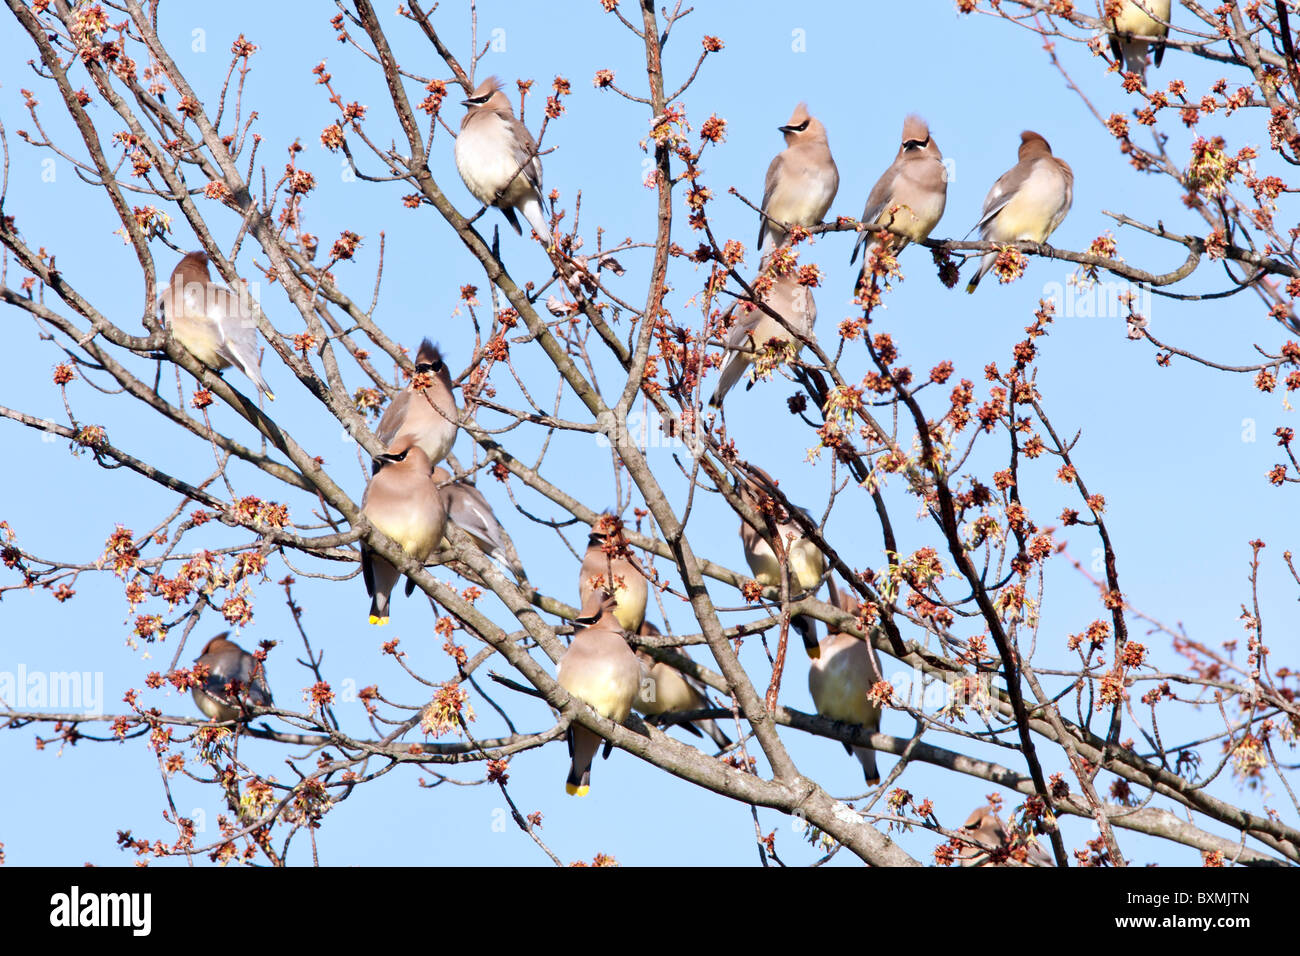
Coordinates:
237	333
769	187
393	418
467	508
1003	190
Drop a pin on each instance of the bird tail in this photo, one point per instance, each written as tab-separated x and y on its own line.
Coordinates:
985	265
733	367
379	609
583	745
536	216
867	757
1135	58
807	628
711	728
857	247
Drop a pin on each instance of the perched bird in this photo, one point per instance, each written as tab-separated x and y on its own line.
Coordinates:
229	664
402	501
754	328
215	325
427	415
840	679
468	510
908	199
498	160
807	563
601	669
801	181
1027	202
664	689
1139	26
607	567
984	827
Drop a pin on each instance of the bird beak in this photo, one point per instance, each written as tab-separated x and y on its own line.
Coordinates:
785	129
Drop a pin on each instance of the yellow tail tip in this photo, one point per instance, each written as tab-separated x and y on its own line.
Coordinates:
378	621
970	287
815	653
270	395
573	791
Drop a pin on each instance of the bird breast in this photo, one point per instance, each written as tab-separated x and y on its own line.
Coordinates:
1133	19
803	195
607	680
1036	209
417	526
667	691
840	679
487	157
200	337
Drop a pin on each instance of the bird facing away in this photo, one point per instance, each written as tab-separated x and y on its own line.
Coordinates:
1135	30
214	325
607	567
840	679
664	689
801	181
807	563
600	669
984	827
229	664
498	160
754	328
428	415
1027	202
908	199
402	501
468	510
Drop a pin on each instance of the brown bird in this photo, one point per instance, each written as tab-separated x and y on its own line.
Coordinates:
402	501
607	566
801	181
840	680
1135	30
1027	202
497	158
909	198
427	415
807	563
214	325
236	679
600	669
468	510
754	329
996	848
665	689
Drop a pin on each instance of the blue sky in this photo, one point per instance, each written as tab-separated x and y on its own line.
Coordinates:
1168	448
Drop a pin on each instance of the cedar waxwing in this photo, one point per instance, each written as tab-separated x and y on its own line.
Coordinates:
807	563
215	325
468	510
1134	29
754	328
601	669
498	160
840	679
908	199
607	567
1027	202
427	416
664	689
984	827
229	664
402	501
801	181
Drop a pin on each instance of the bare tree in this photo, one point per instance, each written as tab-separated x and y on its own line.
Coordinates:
961	609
